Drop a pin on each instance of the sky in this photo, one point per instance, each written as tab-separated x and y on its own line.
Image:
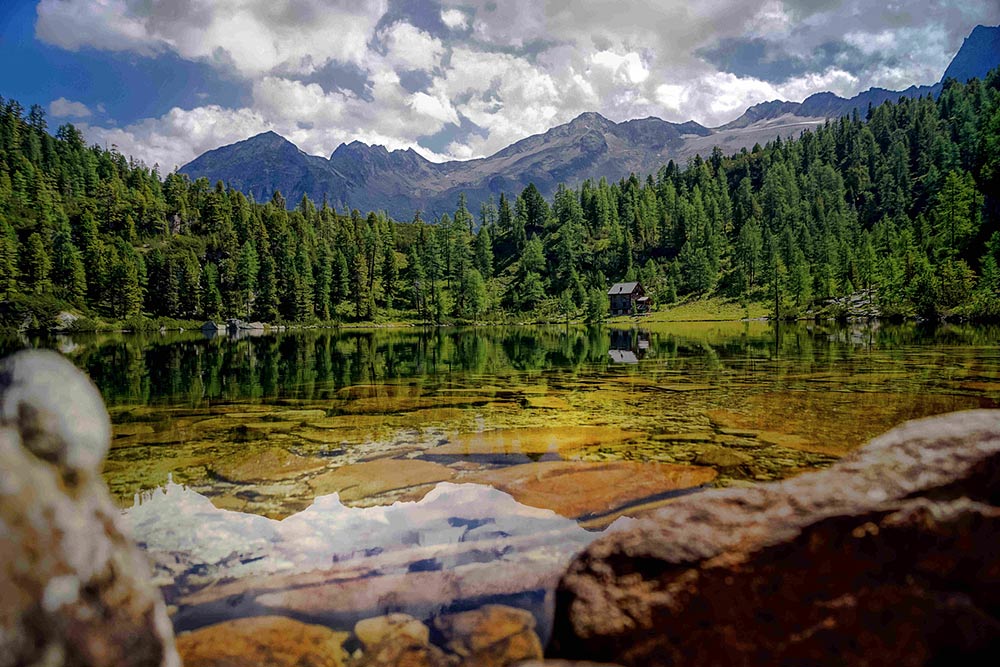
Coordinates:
166	80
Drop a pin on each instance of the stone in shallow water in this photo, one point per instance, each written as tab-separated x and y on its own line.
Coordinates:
721	457
578	489
375	478
402	650
274	641
270	464
373	631
534	440
491	636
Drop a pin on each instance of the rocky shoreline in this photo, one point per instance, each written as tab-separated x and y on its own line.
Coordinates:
887	557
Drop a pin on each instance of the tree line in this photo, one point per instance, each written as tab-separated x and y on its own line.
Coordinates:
903	204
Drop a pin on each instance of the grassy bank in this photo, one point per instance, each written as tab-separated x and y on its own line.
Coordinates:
711	309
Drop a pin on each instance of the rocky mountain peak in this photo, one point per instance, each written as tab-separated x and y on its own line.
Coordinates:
980	52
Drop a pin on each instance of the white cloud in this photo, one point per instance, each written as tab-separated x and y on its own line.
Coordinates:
105	25
512	68
63	108
408	48
289	101
252	37
312	118
455	19
627	68
434	107
180	135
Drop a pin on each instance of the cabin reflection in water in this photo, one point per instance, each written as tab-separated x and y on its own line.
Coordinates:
628	346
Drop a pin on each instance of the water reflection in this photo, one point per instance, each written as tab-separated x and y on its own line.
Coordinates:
628	346
336	564
310	364
261	423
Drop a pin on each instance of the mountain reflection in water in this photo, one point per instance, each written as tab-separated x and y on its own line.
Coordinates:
461	544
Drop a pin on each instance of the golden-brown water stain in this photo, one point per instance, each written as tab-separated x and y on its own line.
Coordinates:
578	489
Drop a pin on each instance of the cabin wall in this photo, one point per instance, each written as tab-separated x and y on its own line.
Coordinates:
621	303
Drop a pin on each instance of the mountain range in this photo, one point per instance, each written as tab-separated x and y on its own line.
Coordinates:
401	182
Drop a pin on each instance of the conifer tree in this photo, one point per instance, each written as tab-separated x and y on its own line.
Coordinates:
36	264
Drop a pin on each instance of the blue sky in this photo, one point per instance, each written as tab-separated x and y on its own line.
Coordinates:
166	80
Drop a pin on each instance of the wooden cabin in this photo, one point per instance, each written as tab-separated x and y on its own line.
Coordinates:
628	299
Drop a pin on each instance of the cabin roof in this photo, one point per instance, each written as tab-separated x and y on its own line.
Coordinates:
622	288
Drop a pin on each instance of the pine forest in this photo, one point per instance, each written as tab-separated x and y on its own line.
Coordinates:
902	204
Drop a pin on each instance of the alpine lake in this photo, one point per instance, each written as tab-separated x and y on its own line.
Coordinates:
335	475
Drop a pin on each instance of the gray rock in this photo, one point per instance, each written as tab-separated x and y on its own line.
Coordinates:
73	589
65	320
56	409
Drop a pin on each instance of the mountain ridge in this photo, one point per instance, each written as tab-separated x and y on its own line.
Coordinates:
400	182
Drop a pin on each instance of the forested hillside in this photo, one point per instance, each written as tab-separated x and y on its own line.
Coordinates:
905	202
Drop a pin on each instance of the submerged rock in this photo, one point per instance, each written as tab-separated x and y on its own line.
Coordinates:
73	589
491	636
888	557
365	480
373	631
721	457
397	639
268	464
580	490
273	641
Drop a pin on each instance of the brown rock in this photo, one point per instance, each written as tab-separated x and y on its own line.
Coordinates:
888	557
274	641
491	636
579	489
721	457
73	589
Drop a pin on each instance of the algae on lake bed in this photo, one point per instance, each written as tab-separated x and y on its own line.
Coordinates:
268	422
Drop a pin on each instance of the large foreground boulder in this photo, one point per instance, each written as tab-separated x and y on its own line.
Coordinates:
73	589
890	557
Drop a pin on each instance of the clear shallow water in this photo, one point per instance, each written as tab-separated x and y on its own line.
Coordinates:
332	476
